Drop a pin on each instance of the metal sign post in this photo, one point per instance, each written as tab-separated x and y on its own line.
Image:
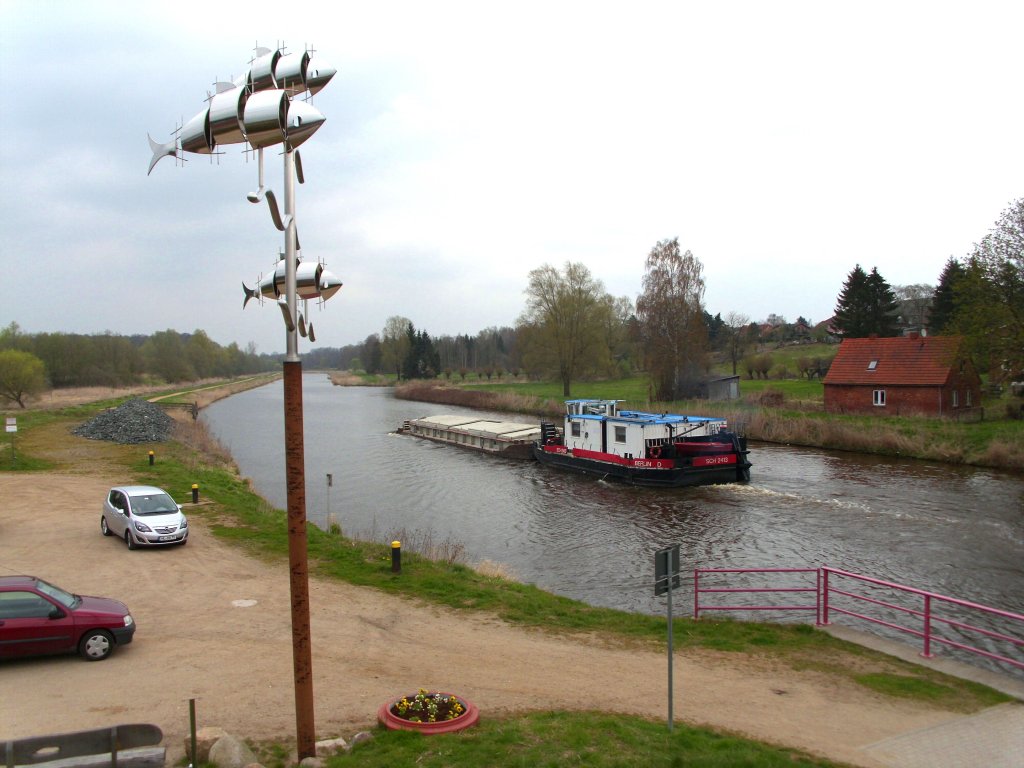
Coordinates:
330	482
12	427
666	578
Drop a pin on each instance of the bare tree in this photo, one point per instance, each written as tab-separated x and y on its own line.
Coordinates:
671	320
736	338
915	302
562	328
395	343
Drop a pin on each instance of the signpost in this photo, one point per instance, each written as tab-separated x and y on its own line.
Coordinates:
666	578
12	427
330	482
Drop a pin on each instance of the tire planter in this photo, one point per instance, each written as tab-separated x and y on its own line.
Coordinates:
393	722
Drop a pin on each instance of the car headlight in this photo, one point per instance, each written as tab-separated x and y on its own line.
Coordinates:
184	522
142	527
128	620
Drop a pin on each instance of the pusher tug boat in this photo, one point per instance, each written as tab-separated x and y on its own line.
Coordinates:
666	450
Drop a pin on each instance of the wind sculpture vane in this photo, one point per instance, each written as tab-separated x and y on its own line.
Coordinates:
258	109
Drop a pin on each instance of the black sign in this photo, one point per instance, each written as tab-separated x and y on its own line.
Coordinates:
666	564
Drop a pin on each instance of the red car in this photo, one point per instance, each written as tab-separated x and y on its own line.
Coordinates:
38	618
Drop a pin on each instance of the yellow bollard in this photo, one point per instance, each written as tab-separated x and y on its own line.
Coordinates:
195	493
151	458
396	557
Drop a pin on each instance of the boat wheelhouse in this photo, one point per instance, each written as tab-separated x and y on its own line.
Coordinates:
643	448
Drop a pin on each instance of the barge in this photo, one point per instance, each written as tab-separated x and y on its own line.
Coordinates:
663	450
505	438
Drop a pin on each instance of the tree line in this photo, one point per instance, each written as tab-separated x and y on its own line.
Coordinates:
572	329
31	362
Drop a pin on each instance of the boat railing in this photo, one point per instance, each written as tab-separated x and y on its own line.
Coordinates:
937	620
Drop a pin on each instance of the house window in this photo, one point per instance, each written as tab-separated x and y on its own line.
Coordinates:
575	429
956	399
878	397
968	398
871	366
620	434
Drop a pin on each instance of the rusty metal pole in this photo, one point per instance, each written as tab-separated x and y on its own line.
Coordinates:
298	565
295	478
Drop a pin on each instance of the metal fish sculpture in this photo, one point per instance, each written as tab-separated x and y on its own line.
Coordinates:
312	281
256	108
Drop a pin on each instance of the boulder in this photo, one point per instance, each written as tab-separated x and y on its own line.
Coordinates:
360	737
231	752
205	738
330	747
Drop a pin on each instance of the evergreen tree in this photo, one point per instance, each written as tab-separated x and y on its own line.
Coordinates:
852	306
422	360
866	305
884	306
943	305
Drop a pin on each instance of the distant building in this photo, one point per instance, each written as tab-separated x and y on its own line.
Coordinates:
903	375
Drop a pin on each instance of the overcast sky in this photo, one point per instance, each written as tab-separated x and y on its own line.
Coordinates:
467	143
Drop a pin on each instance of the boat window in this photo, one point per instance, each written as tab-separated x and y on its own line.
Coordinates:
575	429
620	434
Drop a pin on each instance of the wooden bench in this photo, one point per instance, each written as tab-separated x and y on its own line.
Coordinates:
120	746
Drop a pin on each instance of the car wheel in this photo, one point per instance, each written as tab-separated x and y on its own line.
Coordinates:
129	540
96	645
103	525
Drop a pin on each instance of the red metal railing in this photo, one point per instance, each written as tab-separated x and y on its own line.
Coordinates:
697	591
826	590
927	614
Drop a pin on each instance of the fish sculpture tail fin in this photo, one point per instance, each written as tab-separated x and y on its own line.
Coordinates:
160	151
249	294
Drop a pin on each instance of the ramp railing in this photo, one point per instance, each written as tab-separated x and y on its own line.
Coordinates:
934	618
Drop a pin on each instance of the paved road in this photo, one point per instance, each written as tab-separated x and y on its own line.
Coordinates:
993	738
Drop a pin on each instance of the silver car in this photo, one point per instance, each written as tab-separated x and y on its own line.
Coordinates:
143	516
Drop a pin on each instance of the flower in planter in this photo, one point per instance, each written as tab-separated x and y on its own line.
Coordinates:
427	707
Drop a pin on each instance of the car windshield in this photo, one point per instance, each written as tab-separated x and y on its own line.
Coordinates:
64	598
153	504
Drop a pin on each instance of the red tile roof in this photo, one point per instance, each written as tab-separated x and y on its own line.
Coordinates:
909	360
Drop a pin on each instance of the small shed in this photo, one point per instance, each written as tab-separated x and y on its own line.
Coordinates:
904	375
724	388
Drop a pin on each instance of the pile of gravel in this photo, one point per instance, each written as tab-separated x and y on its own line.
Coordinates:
134	421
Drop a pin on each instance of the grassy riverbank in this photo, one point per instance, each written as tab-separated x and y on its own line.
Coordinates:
236	514
773	411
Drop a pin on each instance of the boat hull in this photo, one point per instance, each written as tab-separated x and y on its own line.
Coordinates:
658	473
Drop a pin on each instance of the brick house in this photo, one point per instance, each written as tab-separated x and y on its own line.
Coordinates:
903	375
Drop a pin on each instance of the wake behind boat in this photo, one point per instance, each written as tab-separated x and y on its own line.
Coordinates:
643	448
